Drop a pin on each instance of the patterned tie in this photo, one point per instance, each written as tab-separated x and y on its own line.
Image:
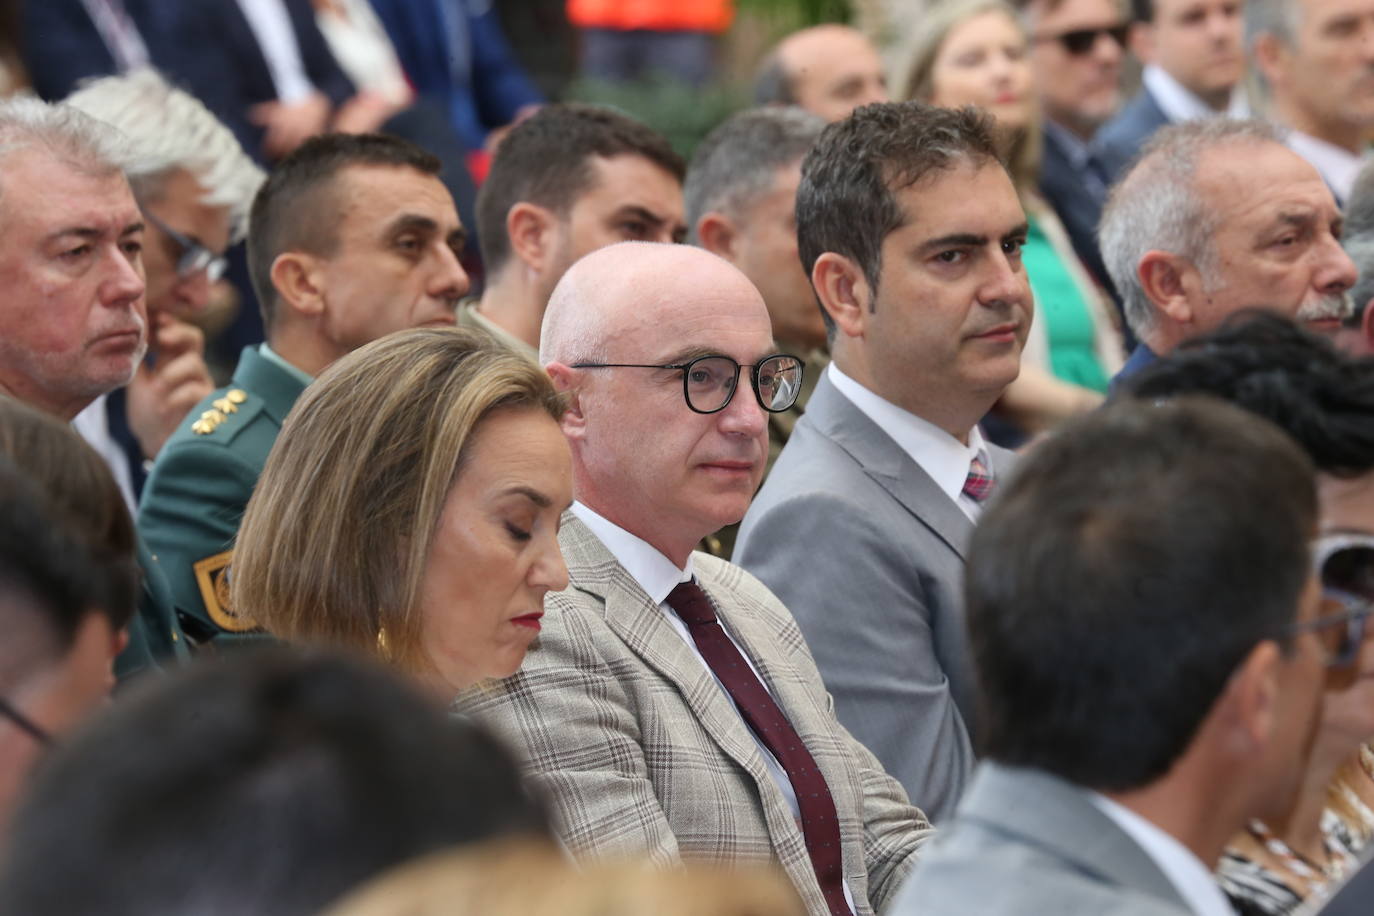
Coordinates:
978	484
820	824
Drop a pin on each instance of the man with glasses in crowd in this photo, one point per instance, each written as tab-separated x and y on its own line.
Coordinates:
351	237
1149	639
1076	49
670	708
911	231
193	183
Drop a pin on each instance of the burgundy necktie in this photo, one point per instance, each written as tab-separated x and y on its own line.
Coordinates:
820	824
978	484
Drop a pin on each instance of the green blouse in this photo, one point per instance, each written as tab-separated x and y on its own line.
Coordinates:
1060	304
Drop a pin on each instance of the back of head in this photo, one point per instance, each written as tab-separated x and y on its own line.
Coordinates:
772	83
493	880
267	785
45	582
1156	206
739	161
1358	240
547	160
335	539
168	129
295	209
82	497
1278	18
61	132
1123	573
847	203
1297	380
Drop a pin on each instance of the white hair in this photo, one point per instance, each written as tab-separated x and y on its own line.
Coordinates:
61	131
167	130
1156	207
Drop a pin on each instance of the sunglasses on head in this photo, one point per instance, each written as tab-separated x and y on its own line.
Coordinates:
1080	41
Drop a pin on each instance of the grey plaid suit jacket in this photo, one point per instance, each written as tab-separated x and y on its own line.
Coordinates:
640	752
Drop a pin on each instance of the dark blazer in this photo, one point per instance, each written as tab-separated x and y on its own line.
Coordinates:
1356	896
228	71
867	552
1141	357
491	90
61	45
1025	842
1120	139
1078	208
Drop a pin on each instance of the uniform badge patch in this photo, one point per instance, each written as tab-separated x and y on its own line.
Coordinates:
212	575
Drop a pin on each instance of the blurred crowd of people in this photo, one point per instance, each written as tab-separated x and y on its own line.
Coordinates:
948	490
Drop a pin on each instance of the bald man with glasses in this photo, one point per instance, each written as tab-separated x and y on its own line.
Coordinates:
670	708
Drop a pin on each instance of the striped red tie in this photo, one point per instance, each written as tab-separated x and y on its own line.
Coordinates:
820	824
978	484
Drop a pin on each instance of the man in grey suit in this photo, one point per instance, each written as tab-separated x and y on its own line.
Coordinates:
911	231
670	708
1149	638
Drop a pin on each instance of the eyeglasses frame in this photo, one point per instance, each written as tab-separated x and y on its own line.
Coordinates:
684	367
191	249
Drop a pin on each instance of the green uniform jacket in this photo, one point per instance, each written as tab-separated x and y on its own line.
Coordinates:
155	634
200	484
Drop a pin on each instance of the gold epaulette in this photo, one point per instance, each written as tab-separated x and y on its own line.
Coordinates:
219	411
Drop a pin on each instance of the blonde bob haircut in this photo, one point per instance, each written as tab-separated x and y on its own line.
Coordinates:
1021	148
336	537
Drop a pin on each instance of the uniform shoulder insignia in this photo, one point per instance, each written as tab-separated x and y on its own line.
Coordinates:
220	409
212	575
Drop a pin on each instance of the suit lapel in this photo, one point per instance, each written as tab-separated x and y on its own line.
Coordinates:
641	624
835	417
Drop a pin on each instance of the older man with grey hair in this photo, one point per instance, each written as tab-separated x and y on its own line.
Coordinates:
194	184
1316	60
1219	216
741	193
73	324
1357	332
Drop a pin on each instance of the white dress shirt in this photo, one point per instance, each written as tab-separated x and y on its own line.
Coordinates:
1179	104
944	458
658	576
93	425
271	26
1193	880
1339	167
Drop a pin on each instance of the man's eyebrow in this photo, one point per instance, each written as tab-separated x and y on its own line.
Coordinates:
92	233
413	222
1017	232
691	353
639	212
954	240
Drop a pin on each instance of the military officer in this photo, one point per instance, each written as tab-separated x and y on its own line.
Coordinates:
351	237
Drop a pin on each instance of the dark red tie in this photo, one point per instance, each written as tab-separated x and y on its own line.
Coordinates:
820	824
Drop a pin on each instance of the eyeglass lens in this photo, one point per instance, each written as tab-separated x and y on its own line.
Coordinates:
711	381
1081	41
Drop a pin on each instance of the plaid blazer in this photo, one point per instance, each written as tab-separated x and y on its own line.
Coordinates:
640	752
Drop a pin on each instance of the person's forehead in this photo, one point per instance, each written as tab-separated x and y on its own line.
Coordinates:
1244	181
626	178
682	318
1315	13
1071	14
369	197
42	194
971	198
826	53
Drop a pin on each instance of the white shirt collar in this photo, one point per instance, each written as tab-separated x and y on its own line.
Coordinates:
1180	104
1192	879
654	572
939	454
1338	166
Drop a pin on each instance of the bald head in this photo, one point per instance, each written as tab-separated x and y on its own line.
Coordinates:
620	327
827	69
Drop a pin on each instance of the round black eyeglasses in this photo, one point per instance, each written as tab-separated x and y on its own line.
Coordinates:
709	382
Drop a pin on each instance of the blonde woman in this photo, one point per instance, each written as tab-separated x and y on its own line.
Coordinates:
410	509
974	52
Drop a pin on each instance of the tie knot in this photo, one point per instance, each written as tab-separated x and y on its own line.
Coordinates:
691	604
978	484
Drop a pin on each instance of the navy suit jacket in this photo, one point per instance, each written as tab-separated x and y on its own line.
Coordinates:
496	87
1141	358
62	47
1120	139
1079	209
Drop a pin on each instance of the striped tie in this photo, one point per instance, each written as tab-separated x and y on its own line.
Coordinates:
978	484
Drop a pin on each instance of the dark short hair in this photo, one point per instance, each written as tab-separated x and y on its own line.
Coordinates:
267	783
45	580
773	84
80	495
1297	380
847	199
293	210
546	160
1126	569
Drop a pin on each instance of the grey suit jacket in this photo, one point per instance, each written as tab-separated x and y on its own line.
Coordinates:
640	752
1026	842
868	554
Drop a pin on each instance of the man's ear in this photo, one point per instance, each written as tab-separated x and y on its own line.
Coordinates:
717	234
567	379
1167	280
299	282
843	292
1271	57
530	229
1250	703
1141	40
